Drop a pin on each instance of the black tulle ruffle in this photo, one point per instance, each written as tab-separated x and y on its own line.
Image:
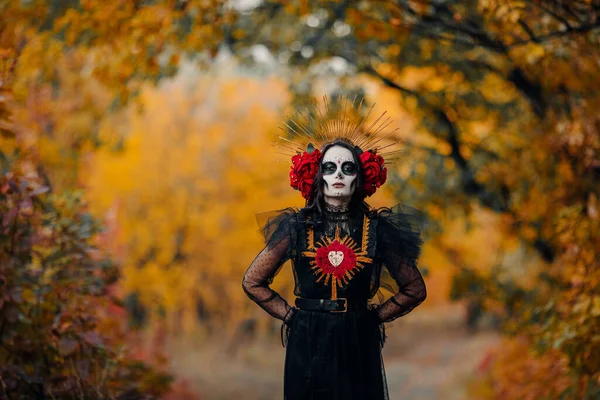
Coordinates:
399	240
278	225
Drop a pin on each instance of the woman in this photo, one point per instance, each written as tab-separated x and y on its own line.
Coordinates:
342	251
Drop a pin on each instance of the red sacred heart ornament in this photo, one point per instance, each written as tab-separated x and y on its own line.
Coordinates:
336	258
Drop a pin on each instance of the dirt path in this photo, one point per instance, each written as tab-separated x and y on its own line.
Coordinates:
433	359
428	355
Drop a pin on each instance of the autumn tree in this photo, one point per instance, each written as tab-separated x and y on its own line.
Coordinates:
59	337
75	62
185	202
63	66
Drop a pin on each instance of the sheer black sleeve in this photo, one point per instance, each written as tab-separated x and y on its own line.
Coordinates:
399	247
279	233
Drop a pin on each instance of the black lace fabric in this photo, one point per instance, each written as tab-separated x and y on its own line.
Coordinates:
261	272
398	250
399	246
338	355
260	275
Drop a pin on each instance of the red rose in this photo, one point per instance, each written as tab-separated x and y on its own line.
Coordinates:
303	171
374	172
305	188
382	175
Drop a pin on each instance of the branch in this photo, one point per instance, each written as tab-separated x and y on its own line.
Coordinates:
481	37
498	202
388	82
468	28
568	9
471	186
337	13
557	34
427	32
532	91
270	10
527	29
553	14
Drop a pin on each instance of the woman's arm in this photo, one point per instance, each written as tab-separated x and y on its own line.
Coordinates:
399	246
412	292
260	275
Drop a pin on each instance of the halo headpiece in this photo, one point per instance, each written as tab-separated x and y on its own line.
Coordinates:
340	120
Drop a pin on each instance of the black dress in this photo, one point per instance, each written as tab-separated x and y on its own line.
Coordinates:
337	356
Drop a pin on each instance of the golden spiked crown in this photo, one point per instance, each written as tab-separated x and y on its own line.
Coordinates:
340	119
329	121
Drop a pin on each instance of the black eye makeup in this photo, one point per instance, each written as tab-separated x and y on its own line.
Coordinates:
348	168
328	168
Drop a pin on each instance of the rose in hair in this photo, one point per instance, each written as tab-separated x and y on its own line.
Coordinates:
374	171
303	171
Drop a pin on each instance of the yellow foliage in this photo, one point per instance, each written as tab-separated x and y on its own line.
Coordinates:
196	167
518	372
495	89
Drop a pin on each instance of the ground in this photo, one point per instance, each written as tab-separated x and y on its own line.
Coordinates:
428	355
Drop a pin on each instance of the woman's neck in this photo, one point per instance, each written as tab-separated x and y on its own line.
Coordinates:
336	201
337	209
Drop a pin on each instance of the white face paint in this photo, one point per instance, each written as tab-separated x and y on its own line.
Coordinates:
339	173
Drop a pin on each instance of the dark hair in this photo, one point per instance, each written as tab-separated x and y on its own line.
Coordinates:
317	202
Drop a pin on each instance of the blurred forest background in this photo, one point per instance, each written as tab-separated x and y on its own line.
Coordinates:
135	151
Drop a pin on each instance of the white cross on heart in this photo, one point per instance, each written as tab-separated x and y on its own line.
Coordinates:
335	258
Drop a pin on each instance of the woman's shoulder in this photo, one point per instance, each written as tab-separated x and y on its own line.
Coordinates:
279	213
398	214
399	230
277	217
277	224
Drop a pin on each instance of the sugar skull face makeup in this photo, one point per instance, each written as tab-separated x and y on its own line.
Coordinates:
339	172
